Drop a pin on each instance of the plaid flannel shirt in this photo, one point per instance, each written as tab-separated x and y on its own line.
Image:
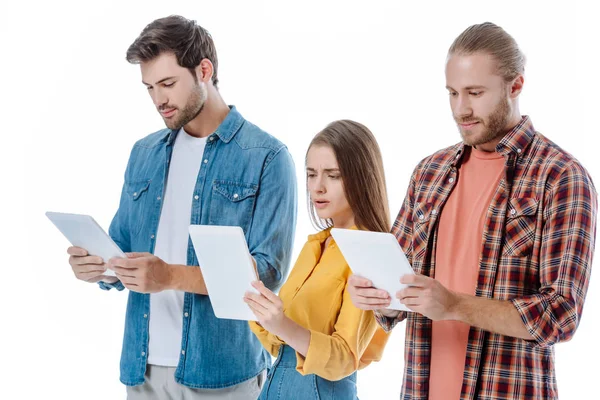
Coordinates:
537	250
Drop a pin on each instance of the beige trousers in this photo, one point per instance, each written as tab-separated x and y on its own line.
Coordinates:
160	385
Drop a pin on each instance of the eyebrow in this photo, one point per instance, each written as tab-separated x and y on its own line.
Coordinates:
469	87
161	81
326	169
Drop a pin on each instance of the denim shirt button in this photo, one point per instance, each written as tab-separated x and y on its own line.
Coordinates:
186	315
145	315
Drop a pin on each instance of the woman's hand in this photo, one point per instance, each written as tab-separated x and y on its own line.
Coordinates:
267	307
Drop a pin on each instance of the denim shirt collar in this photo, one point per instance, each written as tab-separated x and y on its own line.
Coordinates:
226	130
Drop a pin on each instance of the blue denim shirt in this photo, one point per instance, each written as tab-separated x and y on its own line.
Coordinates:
247	179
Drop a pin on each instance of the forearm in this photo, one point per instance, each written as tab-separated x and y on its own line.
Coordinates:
187	279
295	336
497	316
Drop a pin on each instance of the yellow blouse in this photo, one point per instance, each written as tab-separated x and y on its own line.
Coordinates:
343	338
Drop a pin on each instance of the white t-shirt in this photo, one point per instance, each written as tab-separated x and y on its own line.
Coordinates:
166	308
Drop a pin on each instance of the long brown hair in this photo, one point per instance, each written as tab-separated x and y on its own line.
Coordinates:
361	168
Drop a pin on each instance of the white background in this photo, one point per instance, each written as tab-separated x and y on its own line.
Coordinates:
72	107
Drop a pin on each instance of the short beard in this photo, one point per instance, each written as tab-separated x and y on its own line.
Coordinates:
494	126
192	109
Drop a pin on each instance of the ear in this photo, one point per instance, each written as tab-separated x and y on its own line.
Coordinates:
204	71
516	87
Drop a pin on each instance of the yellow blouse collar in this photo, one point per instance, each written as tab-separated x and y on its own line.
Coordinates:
324	234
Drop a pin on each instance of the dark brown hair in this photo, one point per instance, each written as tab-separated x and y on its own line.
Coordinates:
188	41
361	168
491	39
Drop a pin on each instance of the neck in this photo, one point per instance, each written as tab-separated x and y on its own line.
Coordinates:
344	222
513	121
213	113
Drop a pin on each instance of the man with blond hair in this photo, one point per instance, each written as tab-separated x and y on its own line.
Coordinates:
500	229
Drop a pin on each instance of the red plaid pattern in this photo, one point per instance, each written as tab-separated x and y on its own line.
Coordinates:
537	250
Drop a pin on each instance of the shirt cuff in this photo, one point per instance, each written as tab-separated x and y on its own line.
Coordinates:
317	357
388	323
532	310
107	286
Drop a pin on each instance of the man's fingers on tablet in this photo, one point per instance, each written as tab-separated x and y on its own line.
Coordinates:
77	251
94	260
77	260
372	292
359	281
375	301
88	268
124	272
89	276
129	283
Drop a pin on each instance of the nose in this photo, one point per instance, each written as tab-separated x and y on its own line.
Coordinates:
317	185
321	188
462	107
159	98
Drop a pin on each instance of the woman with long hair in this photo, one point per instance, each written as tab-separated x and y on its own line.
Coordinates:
319	337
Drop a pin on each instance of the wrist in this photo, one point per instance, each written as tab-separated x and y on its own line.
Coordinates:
285	328
455	308
173	275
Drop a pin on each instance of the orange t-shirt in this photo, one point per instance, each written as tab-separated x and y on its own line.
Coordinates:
460	235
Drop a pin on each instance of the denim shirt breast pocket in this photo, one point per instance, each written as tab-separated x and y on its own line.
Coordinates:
137	204
232	204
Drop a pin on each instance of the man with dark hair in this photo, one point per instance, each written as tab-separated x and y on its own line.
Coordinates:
500	229
210	167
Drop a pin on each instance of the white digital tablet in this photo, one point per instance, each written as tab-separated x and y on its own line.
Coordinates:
83	231
376	256
227	268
